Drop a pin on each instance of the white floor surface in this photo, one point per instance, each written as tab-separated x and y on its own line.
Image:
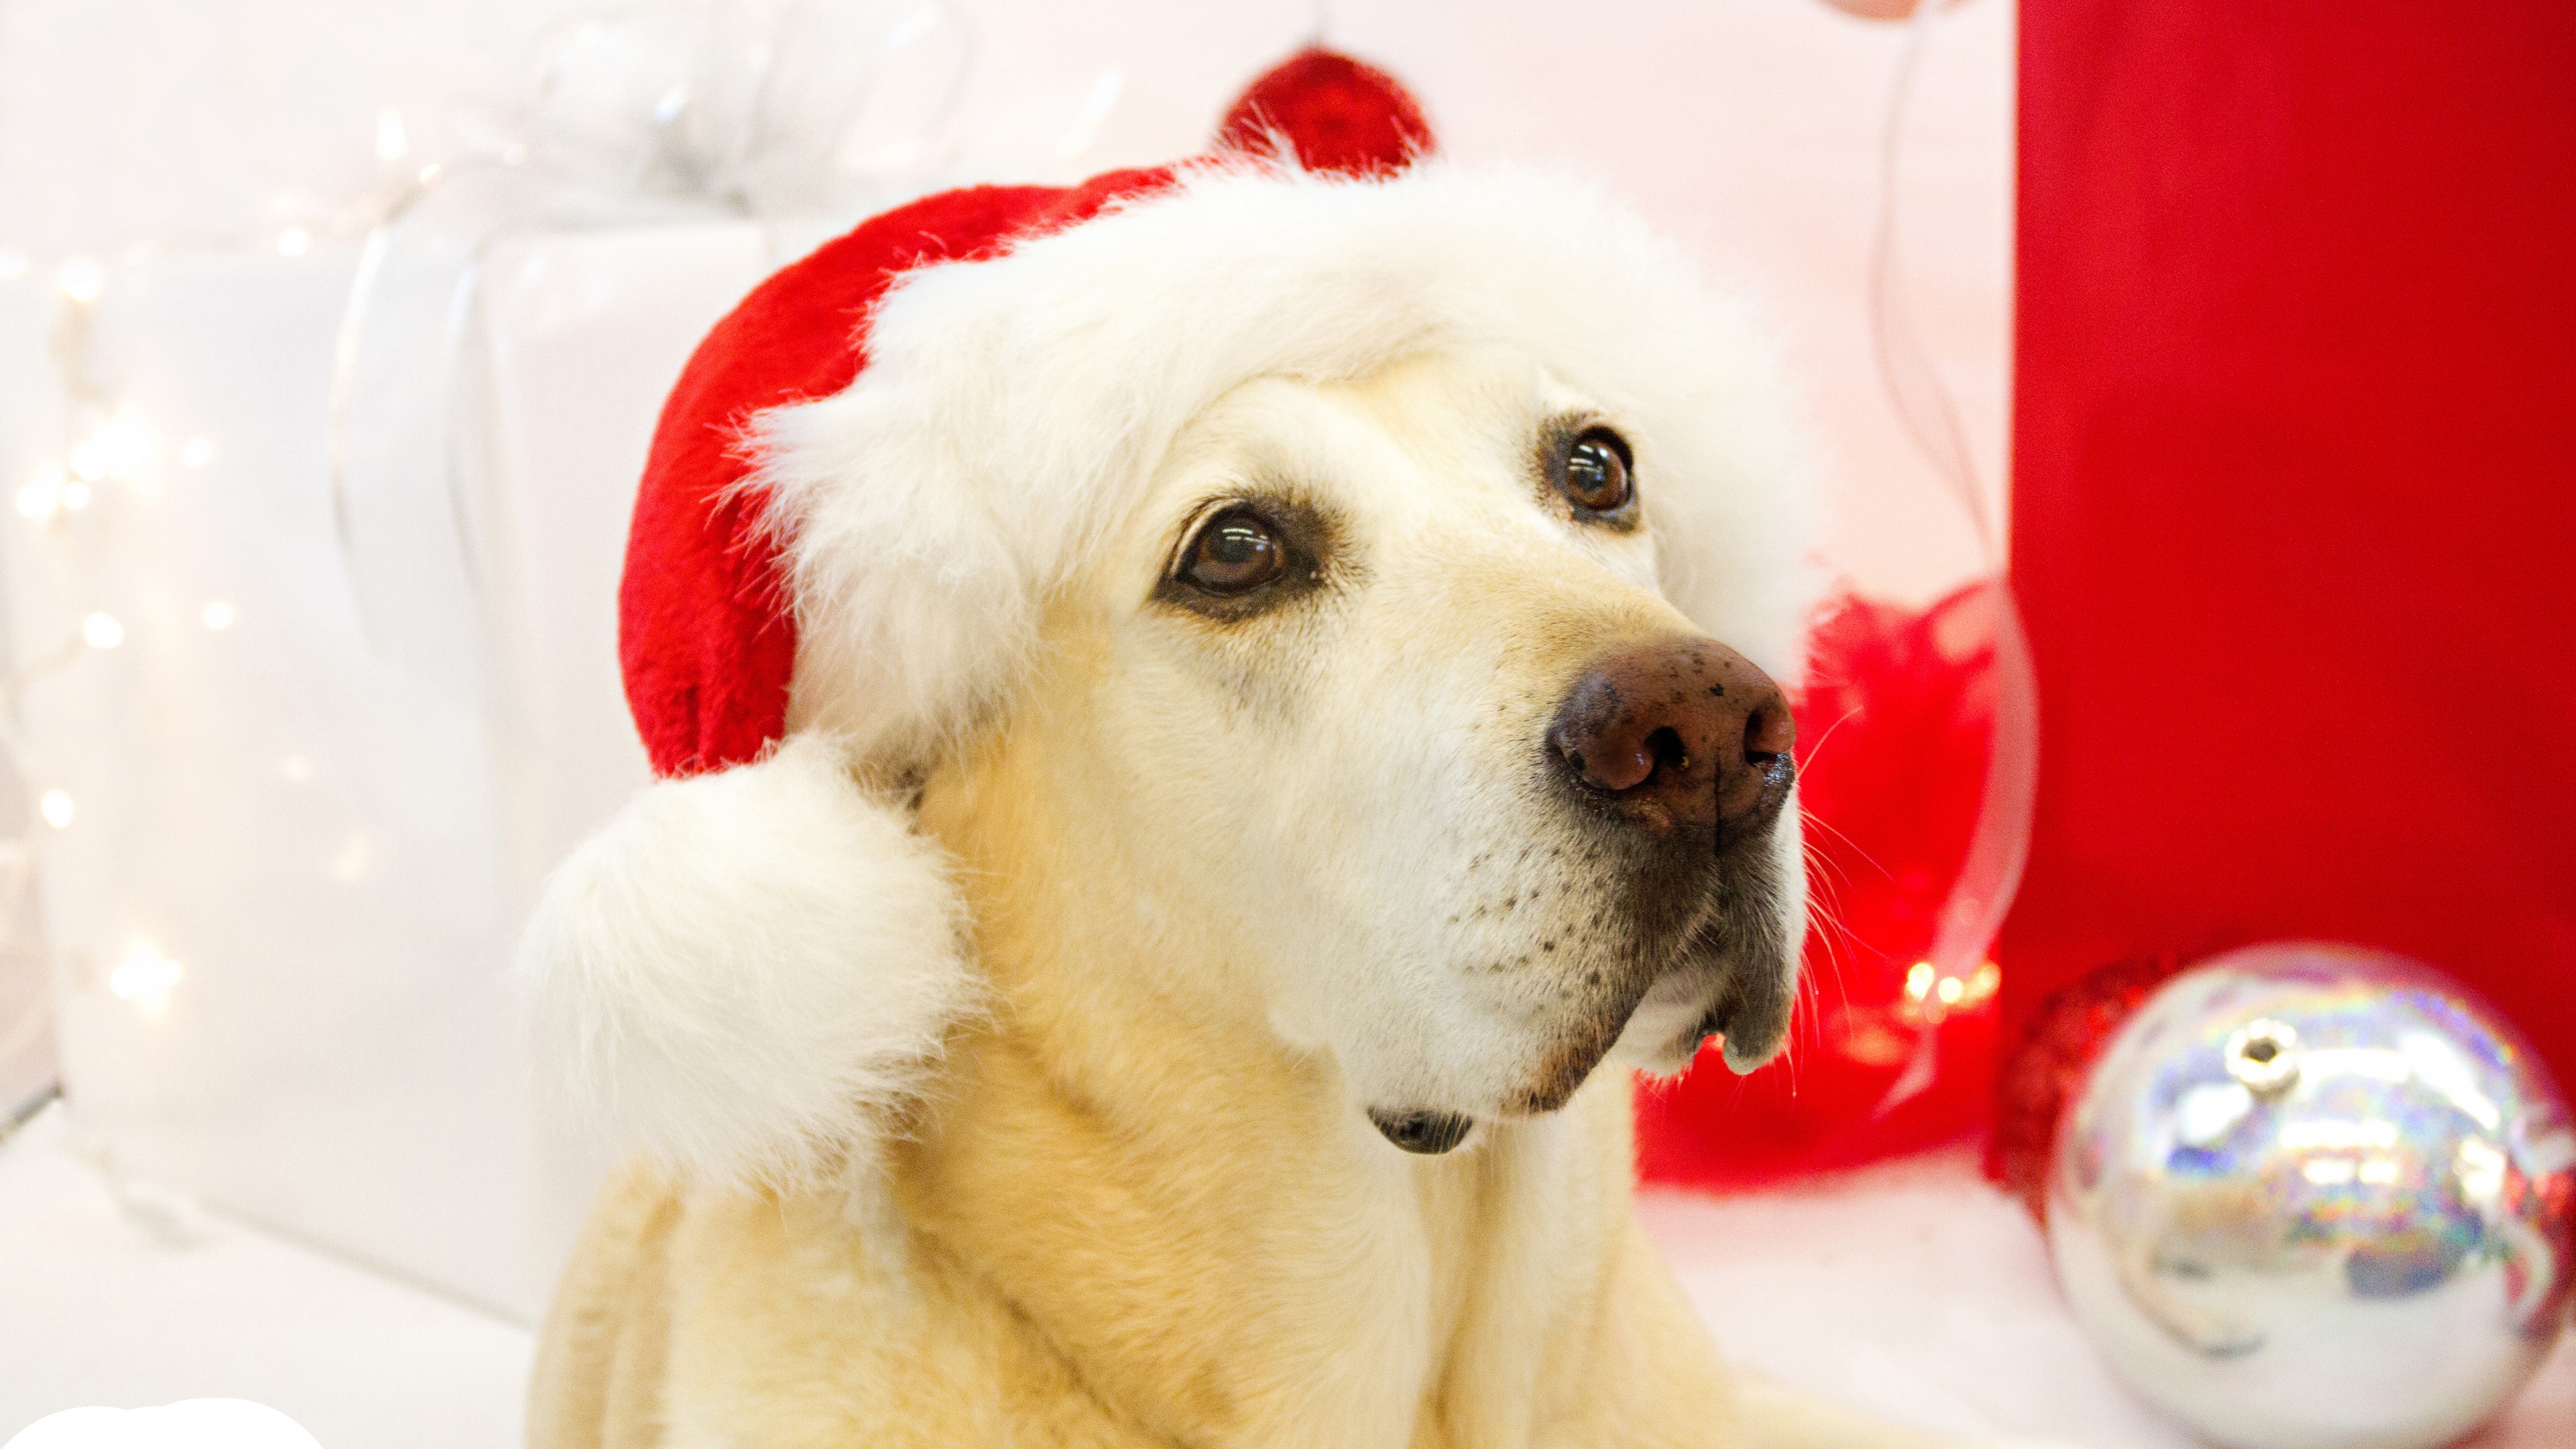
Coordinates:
1913	1291
151	1302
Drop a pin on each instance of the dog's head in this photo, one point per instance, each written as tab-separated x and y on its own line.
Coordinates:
1378	673
1405	566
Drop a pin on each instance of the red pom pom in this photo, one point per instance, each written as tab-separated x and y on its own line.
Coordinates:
1339	114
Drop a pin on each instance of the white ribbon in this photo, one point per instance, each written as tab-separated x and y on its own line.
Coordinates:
797	113
1999	846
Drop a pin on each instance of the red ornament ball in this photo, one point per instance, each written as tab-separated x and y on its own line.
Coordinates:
2060	1043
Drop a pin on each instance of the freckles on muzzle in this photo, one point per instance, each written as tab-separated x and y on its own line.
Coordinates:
1564	1070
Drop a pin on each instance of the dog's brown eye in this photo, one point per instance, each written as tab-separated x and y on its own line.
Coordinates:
1596	472
1235	553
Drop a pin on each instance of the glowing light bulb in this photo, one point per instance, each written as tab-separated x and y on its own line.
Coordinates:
295	241
196	452
391	139
119	447
81	279
145	977
101	631
218	615
56	806
75	496
43	493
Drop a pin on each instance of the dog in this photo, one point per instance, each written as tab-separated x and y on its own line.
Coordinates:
1275	712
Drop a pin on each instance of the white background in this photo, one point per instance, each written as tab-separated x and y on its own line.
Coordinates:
1748	126
183	139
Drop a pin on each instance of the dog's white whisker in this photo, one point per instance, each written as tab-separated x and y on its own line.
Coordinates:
1816	822
1816	751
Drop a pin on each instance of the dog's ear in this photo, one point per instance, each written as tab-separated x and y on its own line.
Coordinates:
749	974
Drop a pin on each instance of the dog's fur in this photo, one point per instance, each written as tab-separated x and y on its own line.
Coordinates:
1233	881
1005	1049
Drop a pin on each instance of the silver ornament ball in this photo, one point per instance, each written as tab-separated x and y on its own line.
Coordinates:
2314	1197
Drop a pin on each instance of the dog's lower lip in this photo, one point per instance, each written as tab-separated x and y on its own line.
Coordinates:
1698	1037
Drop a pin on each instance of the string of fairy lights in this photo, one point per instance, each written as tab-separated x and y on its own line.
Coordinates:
104	442
620	101
644	99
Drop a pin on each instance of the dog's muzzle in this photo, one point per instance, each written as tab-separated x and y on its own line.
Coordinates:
1680	751
1686	745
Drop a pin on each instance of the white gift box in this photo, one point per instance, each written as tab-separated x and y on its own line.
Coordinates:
29	400
341	735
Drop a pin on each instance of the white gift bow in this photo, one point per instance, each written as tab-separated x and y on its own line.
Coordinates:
787	111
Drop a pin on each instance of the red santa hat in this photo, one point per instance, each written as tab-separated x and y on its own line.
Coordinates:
873	472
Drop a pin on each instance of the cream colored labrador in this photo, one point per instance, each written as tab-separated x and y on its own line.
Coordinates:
1365	817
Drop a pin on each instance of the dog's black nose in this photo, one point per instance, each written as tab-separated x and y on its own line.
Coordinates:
1686	732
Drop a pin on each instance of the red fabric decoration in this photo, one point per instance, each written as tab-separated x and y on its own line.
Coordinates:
2059	1044
1894	729
705	633
706	630
2295	363
1340	114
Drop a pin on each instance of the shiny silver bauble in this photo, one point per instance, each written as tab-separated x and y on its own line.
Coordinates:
2315	1197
